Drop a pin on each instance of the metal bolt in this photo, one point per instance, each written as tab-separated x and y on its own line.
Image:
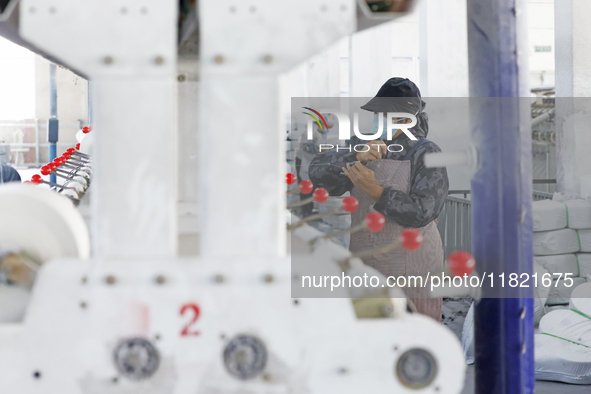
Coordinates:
115	379
395	348
296	302
342	371
268	278
84	280
157	337
222	336
36	374
110	280
159	60
219	278
108	60
82	304
160	279
219	59
268	58
181	78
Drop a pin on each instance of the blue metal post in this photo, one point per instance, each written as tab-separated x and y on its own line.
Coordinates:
501	194
53	123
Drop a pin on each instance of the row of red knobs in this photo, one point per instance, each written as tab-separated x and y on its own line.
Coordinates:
460	263
58	161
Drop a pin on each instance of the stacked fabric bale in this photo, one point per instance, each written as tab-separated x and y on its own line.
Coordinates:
562	245
563	342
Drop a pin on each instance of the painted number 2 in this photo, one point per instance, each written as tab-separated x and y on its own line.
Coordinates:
194	310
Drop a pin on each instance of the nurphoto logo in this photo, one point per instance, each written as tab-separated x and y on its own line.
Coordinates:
392	119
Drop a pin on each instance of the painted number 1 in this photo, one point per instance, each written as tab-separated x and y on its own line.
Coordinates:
194	310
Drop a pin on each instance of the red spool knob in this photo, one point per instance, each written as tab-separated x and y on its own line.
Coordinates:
291	179
320	195
375	221
36	178
349	204
45	170
71	150
411	239
51	166
460	263
86	130
306	187
78	146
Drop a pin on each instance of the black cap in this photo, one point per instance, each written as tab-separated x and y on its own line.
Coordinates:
396	95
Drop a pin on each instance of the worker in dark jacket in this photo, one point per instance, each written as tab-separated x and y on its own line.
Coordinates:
8	174
394	182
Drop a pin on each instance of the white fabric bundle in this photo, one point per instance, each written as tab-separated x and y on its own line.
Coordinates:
579	214
468	336
584	264
548	215
585	239
567	324
540	293
581	299
330	205
557	242
560	293
559	263
562	349
561	361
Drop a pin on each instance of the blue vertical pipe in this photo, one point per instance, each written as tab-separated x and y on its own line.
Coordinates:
501	194
52	126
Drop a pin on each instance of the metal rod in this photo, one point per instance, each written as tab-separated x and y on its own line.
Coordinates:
301	203
312	218
359	227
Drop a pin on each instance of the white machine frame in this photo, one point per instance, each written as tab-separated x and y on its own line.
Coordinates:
134	286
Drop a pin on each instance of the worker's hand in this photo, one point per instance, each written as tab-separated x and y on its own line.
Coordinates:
377	148
365	179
